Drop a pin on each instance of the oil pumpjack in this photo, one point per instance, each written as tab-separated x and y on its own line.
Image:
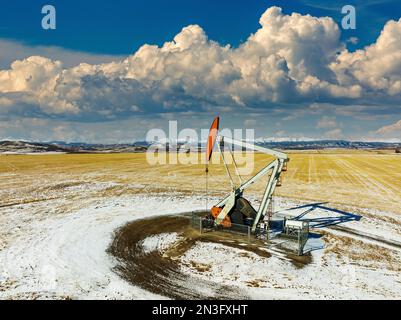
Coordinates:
234	208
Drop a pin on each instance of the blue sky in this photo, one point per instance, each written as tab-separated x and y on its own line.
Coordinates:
291	74
120	27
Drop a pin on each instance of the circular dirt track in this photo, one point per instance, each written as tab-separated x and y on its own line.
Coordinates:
160	273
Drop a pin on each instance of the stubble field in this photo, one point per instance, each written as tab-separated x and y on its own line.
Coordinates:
359	178
104	226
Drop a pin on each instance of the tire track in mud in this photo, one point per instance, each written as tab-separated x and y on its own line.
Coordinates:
379	240
160	273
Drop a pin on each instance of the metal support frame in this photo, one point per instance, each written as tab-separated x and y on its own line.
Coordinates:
221	150
301	235
276	166
235	165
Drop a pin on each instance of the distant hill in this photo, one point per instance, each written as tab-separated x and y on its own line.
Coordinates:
24	147
82	147
328	144
300	145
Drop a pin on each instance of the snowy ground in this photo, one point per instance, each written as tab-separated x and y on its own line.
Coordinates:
57	249
47	254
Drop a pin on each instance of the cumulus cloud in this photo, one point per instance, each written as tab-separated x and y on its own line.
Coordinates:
29	75
290	60
377	68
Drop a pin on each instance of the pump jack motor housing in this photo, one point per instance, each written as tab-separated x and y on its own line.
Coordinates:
234	208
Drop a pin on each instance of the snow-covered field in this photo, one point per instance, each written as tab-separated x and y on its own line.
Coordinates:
50	254
56	248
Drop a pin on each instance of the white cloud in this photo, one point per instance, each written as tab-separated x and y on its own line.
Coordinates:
249	123
290	60
326	122
29	75
392	128
334	134
377	68
14	50
353	40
